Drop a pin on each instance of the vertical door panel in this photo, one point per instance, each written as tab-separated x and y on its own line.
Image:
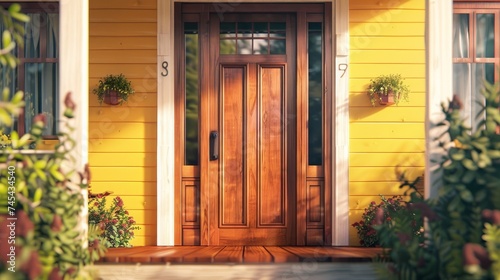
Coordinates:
272	190
233	192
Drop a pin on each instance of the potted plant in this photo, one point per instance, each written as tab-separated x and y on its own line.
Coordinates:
113	89
388	90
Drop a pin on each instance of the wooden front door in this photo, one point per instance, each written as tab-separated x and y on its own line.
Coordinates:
252	131
249	170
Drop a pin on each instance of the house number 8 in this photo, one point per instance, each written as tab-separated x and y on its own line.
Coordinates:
164	65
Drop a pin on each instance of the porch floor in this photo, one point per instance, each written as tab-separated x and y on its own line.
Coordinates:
238	254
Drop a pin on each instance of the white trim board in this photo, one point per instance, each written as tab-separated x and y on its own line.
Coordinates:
166	138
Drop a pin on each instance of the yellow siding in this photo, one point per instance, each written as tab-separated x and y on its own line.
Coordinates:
122	139
386	37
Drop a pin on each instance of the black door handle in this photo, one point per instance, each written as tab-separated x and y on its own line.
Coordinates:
214	145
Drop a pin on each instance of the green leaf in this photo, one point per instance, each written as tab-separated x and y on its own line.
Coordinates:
14	8
468	177
38	195
6	38
466	195
493	154
5	118
20	17
40	164
457	154
469	164
18	97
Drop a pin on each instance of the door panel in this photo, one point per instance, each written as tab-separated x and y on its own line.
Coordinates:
272	183
233	194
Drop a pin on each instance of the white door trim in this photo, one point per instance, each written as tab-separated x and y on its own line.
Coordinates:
166	138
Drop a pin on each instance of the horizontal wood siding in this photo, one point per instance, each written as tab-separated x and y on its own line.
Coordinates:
386	37
122	139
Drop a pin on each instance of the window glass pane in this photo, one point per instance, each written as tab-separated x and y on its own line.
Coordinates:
192	104
278	46
244	46
227	29
40	94
32	36
468	80
461	35
260	46
227	47
52	35
485	35
260	29
7	75
315	90
244	29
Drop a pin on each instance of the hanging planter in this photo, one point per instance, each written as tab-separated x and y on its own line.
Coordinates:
387	90
113	89
387	99
111	97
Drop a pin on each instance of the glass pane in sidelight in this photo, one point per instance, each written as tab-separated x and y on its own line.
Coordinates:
315	90
191	109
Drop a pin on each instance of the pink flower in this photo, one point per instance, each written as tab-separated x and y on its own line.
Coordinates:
119	201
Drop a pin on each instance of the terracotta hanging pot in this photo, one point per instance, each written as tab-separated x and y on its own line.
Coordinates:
387	99
111	97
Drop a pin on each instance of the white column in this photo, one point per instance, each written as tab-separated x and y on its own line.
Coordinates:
165	134
74	77
340	200
439	83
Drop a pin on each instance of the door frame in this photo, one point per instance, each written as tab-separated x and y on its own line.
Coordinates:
338	144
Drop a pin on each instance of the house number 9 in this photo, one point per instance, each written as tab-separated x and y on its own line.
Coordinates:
164	65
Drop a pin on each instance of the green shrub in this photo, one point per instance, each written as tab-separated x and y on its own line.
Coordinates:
456	217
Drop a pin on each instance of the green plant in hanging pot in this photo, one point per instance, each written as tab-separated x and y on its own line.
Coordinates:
388	89
113	89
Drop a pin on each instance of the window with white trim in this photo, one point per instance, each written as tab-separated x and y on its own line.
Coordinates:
476	54
37	73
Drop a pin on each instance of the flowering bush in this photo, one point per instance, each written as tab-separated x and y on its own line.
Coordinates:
116	224
4	141
390	207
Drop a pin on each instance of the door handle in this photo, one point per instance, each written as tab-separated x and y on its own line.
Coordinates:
214	145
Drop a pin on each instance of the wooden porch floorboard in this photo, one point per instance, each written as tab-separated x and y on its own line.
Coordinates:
238	254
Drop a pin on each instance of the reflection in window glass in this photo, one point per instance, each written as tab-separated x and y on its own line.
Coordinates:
468	80
461	35
485	35
191	88
41	79
315	82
